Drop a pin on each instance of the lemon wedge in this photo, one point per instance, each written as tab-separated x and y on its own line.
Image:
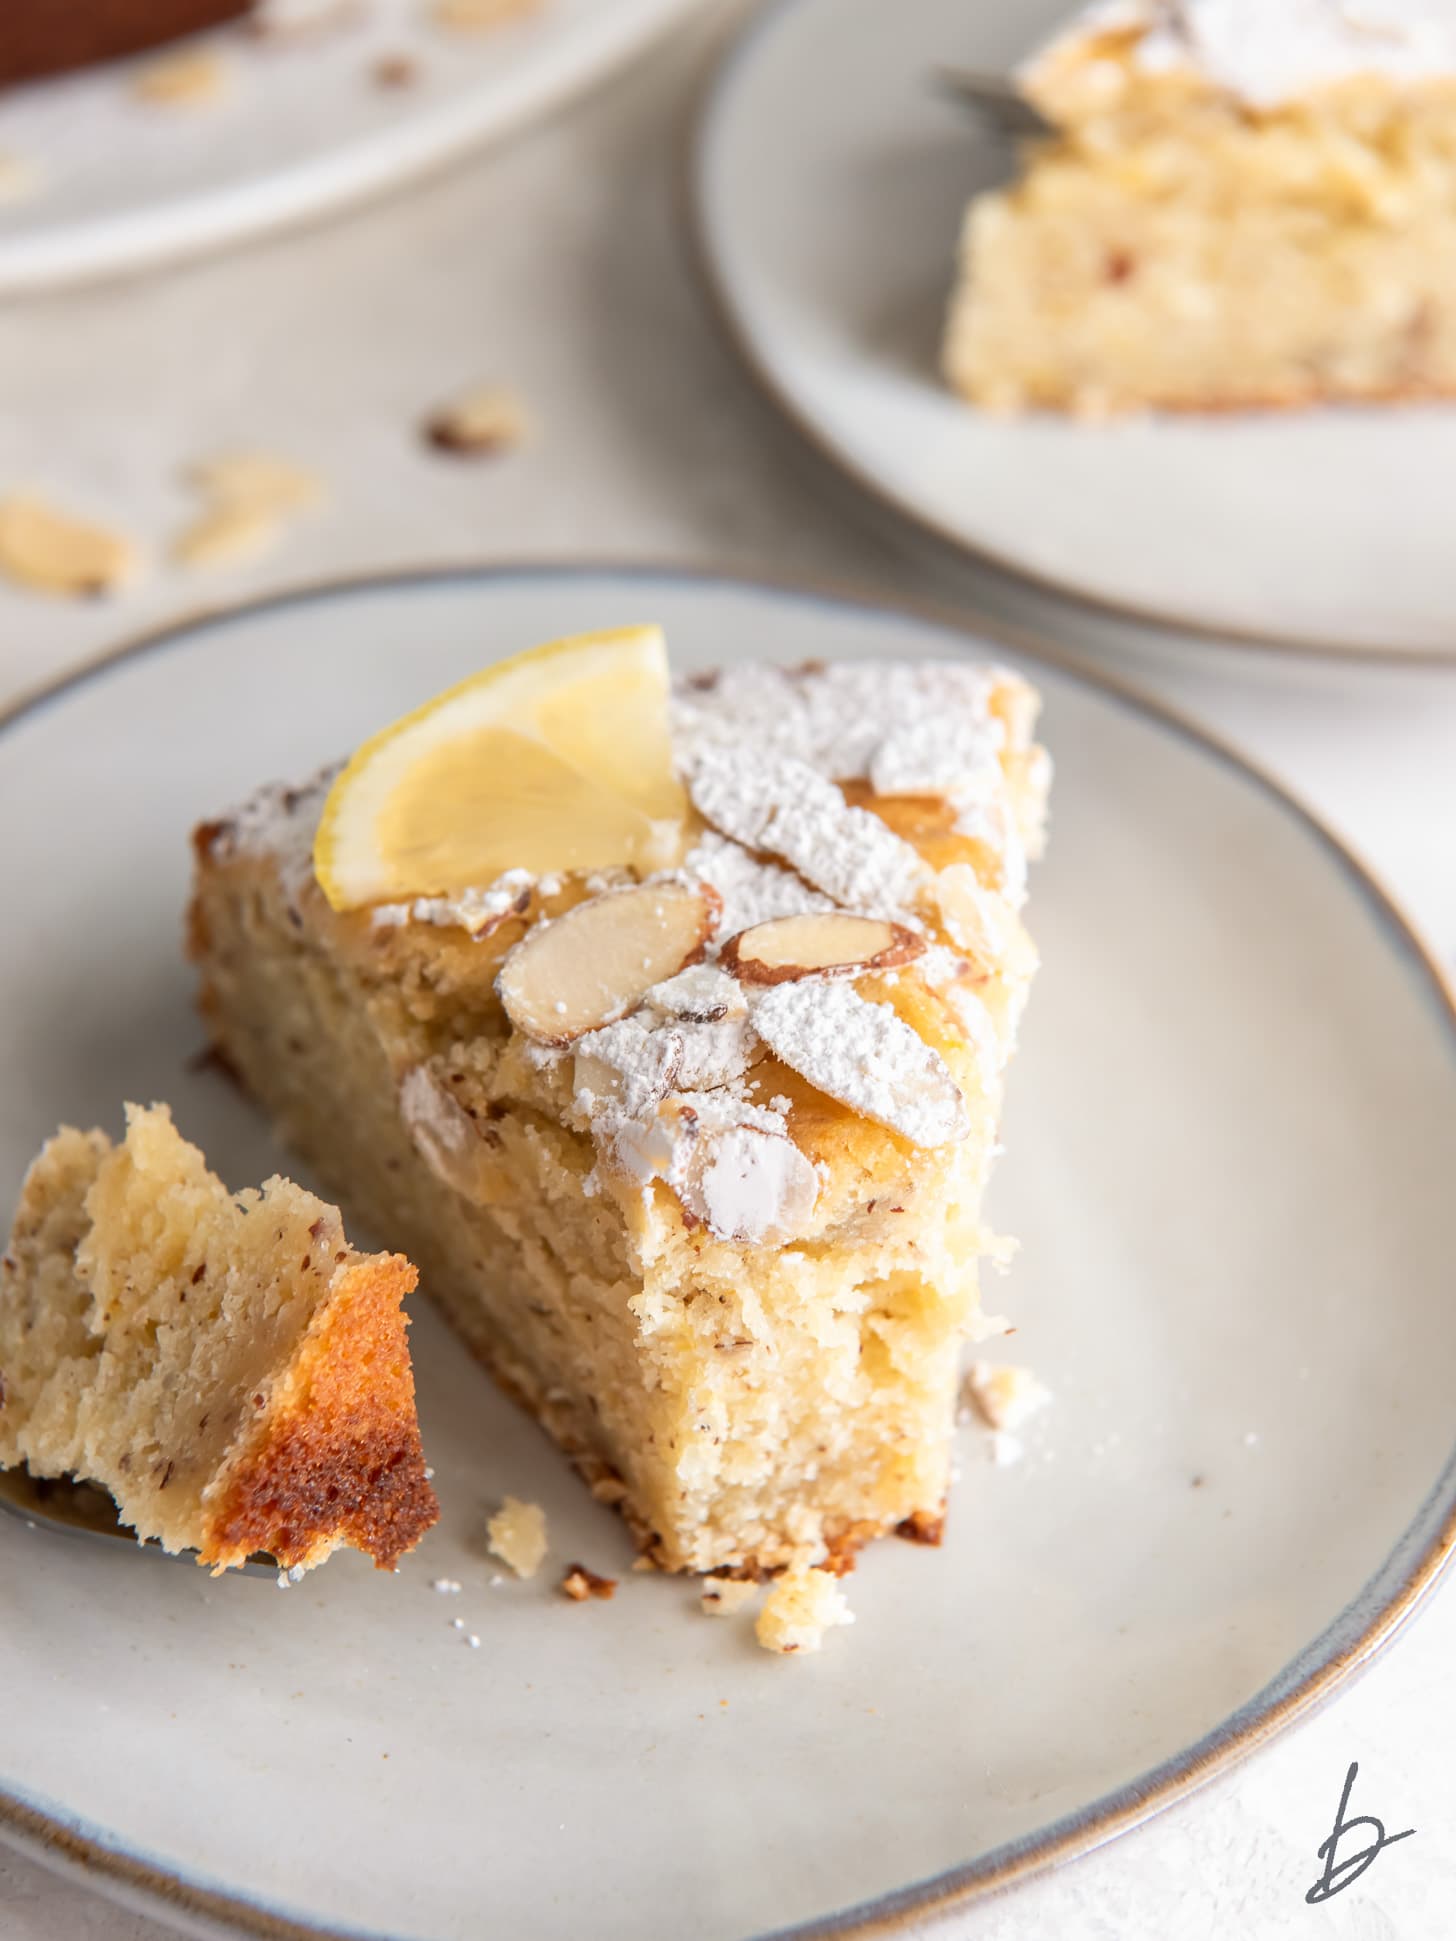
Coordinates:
557	759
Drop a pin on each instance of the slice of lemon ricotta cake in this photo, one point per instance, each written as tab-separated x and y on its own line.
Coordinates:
665	1027
226	1365
1243	203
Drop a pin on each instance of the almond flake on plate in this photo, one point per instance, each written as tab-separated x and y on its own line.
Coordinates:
864	1055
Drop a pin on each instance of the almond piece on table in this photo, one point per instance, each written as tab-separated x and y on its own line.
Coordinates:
593	965
480	424
865	1056
49	552
828	943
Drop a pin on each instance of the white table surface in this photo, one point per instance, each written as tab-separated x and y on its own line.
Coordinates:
558	266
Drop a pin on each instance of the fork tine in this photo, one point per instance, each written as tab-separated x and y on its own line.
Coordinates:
994	98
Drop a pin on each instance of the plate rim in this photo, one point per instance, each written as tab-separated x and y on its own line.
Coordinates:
952	547
141	1882
197	227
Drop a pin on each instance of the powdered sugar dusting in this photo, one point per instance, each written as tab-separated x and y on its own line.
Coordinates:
835	717
786	807
476	911
865	1056
752	891
1270	51
731	1163
278	822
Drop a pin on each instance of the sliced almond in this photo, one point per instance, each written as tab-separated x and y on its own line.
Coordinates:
224	536
49	552
717	1053
784	806
748	1185
630	1065
443	1132
732	1165
976	919
865	1056
257	481
479	424
702	994
593	965
830	943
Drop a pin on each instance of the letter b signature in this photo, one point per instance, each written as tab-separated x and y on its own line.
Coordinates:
1339	1874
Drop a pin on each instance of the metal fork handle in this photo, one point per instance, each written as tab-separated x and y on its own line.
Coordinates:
77	1509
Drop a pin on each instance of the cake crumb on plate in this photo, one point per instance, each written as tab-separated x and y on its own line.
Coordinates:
579	1584
801	1606
517	1535
1003	1395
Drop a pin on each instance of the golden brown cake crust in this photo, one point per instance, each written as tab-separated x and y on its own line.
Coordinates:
337	1452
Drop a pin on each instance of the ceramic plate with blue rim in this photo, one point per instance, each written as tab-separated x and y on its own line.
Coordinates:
1230	1142
830	175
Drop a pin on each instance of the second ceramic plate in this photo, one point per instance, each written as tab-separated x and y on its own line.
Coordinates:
299	125
830	180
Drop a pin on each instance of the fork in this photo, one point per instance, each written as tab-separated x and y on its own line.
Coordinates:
79	1509
995	99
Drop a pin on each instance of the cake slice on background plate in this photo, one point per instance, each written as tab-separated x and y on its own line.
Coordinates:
1245	203
666	1031
227	1366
